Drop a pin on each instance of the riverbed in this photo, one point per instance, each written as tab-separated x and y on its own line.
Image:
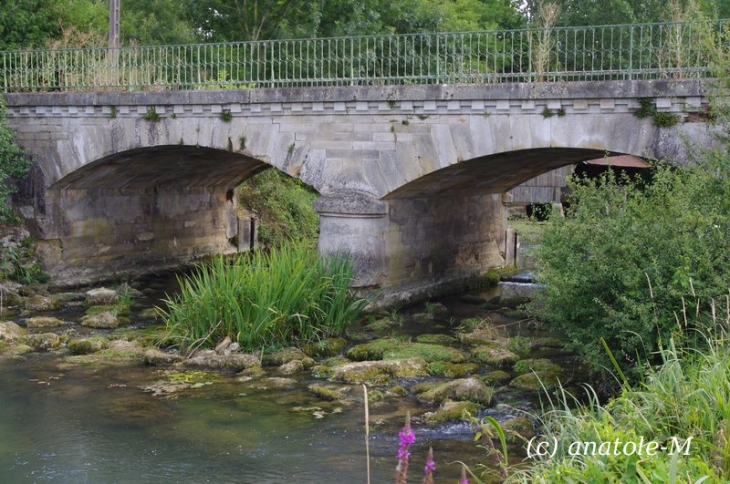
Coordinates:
66	420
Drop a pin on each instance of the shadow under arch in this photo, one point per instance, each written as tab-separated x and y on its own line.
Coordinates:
146	209
493	174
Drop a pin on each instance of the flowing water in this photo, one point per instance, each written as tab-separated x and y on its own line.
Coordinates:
67	421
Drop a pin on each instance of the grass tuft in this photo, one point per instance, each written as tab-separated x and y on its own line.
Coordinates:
287	296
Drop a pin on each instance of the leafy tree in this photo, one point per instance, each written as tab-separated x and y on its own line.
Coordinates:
13	164
284	207
611	12
32	23
155	22
470	15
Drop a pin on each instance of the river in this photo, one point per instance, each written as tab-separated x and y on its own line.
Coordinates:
64	420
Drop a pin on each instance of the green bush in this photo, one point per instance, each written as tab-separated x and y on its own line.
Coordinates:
284	207
630	258
286	296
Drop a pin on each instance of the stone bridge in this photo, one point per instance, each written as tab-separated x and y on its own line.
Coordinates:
412	178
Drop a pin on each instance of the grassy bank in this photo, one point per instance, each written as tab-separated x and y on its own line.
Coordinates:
669	428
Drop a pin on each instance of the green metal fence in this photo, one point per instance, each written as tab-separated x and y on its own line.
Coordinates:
640	51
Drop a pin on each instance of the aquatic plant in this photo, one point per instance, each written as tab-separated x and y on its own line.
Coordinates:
270	299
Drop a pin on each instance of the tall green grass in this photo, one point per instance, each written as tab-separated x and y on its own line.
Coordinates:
269	299
686	396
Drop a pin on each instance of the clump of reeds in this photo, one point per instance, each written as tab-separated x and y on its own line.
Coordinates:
264	299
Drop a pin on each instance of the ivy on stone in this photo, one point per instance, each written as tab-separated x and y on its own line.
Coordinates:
13	165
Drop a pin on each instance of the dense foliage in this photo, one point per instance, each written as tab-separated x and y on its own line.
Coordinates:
628	257
264	299
283	206
13	164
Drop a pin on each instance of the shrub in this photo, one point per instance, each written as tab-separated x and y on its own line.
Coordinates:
286	296
630	257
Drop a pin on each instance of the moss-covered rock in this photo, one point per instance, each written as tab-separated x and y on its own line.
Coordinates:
496	377
148	336
453	411
447	369
43	322
372	350
432	312
285	355
148	314
120	350
326	369
44	341
465	389
254	371
536	364
385	324
104	320
436	339
101	295
518	429
10	350
38	303
380	372
10	331
325	348
425	386
494	356
481	331
11	298
328	392
209	359
396	391
155	357
536	381
428	352
293	366
85	346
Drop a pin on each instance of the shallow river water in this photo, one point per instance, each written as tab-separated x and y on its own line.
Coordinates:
67	421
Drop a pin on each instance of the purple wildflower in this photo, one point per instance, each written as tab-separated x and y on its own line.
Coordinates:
430	468
406	437
463	479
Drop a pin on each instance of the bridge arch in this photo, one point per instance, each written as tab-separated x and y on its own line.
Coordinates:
147	208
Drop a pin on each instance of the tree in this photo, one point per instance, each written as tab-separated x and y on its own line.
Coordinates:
155	22
33	23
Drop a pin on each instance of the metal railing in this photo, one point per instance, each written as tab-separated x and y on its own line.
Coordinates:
612	52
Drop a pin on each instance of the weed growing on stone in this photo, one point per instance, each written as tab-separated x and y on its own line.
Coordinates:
151	115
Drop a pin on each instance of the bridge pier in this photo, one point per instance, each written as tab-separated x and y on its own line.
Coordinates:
411	248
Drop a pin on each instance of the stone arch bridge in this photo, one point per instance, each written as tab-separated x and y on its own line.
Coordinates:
412	178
